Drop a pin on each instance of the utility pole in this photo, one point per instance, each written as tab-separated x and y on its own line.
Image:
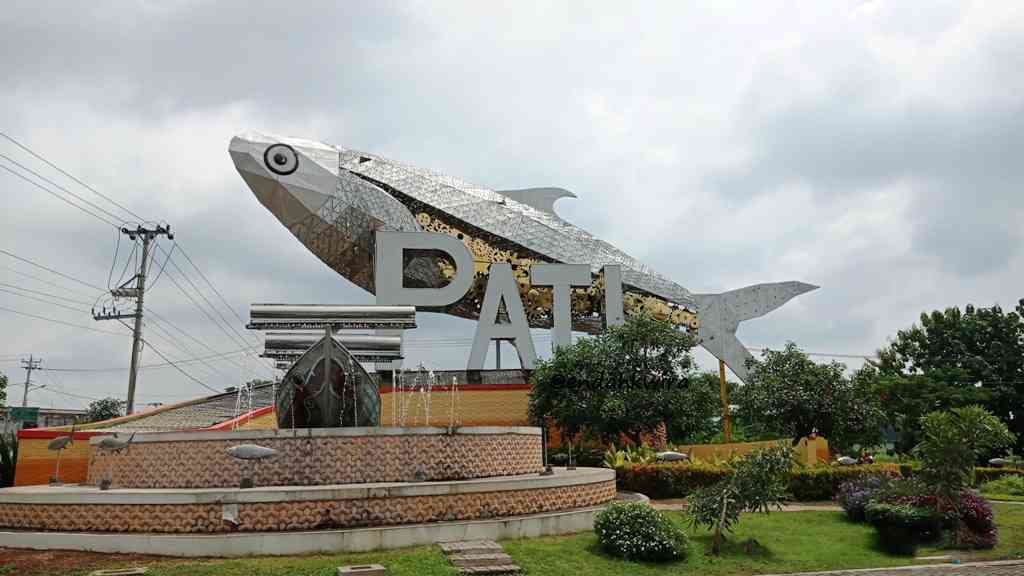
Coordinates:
29	365
147	235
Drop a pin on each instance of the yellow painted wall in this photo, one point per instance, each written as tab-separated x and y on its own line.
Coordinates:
266	421
473	408
807	452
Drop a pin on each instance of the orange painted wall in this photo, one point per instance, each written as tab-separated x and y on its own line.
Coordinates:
36	463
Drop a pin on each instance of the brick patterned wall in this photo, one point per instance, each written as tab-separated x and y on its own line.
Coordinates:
320	460
307	515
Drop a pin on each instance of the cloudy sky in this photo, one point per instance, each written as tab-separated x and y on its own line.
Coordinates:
868	147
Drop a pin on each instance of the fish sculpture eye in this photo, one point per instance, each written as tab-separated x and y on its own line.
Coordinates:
281	159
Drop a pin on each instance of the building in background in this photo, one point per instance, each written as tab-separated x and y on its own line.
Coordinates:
19	418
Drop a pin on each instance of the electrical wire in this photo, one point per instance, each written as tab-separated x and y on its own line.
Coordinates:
178	368
51	270
58	169
210	284
18	312
146	366
58	196
47	282
37	299
47	294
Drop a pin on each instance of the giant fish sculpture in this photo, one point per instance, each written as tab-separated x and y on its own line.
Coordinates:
334	200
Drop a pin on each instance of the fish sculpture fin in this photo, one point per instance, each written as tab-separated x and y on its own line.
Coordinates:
542	199
720	315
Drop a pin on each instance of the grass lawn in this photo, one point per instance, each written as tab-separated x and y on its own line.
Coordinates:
1003	497
789	542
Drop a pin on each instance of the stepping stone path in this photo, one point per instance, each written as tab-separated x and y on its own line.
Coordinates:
479	557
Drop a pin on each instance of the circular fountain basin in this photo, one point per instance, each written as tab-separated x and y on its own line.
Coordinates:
318	457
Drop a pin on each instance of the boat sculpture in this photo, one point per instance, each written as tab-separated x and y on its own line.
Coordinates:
327	388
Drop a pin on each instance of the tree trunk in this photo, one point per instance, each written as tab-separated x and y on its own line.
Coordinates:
716	542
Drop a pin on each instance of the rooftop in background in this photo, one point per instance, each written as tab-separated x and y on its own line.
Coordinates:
191	414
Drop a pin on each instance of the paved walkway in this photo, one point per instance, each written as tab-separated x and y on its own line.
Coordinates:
1004	568
679	504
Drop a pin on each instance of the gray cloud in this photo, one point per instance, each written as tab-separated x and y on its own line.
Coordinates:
866	147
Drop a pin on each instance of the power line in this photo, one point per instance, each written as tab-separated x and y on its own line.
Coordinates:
179	369
196	340
30	297
155	365
58	196
13	311
51	270
58	169
52	183
237	339
47	282
210	284
177	343
47	294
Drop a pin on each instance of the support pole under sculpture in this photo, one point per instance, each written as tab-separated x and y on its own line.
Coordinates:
723	392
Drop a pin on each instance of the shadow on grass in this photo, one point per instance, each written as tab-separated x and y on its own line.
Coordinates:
746	549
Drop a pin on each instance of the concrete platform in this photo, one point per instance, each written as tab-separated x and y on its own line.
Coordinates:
274	509
306	542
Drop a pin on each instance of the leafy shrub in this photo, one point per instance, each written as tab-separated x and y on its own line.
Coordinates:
907	491
975	526
952	441
901	527
636	531
643	454
1012	485
822	482
855	495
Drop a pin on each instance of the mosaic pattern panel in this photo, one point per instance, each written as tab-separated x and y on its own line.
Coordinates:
312	461
309	515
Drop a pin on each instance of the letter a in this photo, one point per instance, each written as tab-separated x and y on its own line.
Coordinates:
502	286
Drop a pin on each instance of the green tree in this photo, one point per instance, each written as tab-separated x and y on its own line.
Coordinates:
951	443
104	409
3	389
627	380
907	398
791	395
954	358
755	484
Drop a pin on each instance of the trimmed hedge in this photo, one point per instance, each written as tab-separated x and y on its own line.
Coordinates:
679	480
987	474
823	482
806	484
668	480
